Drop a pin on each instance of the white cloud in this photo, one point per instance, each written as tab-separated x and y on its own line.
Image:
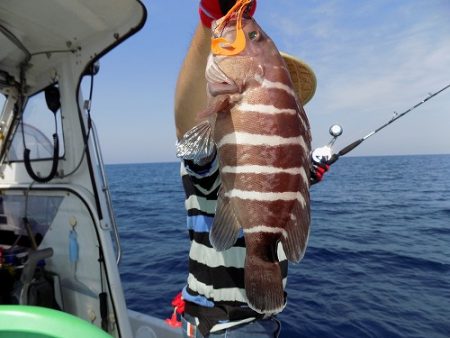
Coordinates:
370	60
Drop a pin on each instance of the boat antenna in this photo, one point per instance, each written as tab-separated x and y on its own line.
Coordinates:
325	153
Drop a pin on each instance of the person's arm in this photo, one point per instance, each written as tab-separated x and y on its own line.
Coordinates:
190	92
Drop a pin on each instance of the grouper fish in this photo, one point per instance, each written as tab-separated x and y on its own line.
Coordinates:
257	125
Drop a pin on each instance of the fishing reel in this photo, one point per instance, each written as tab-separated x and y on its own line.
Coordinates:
325	154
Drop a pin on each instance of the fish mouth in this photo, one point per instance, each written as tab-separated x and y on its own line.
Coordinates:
218	81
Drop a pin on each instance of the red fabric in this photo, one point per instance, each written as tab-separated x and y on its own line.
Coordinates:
178	303
173	321
212	7
209	7
178	308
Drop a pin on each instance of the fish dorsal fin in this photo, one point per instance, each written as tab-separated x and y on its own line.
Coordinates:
225	228
197	144
221	46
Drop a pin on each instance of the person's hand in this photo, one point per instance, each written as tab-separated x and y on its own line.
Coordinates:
211	10
318	170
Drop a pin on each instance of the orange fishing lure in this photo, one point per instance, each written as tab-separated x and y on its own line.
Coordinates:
221	46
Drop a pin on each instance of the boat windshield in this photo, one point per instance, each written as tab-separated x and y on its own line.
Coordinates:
38	127
6	119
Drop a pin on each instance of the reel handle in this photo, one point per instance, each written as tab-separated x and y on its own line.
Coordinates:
325	154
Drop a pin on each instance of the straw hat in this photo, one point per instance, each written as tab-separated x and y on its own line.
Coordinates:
302	77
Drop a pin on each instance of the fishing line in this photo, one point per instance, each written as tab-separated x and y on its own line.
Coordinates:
325	153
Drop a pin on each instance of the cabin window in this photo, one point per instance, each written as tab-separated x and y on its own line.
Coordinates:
40	211
38	127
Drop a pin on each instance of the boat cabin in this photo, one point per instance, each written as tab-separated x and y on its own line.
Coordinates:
59	242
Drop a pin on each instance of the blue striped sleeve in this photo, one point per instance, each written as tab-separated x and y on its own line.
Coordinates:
199	223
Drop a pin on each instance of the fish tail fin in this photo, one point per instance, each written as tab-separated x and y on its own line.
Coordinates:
225	228
264	285
297	230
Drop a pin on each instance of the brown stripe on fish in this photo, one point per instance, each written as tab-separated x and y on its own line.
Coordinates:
276	211
288	196
277	96
265	181
286	124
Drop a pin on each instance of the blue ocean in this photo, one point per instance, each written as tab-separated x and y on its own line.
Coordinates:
378	258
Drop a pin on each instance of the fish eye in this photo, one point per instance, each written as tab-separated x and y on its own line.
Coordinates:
253	35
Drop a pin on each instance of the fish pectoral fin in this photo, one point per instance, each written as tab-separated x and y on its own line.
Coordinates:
225	228
197	144
264	285
297	229
223	88
218	105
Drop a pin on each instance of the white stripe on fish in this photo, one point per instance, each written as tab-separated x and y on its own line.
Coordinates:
260	169
266	196
278	85
266	229
265	109
258	140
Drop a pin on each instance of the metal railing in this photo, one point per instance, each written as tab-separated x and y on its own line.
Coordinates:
106	191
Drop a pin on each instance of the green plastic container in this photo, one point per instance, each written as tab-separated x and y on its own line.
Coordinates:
17	321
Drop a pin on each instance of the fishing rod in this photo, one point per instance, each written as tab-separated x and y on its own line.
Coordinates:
325	153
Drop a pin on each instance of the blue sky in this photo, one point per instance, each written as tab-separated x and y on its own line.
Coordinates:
371	59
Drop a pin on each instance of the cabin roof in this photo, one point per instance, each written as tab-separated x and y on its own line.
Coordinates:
45	32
